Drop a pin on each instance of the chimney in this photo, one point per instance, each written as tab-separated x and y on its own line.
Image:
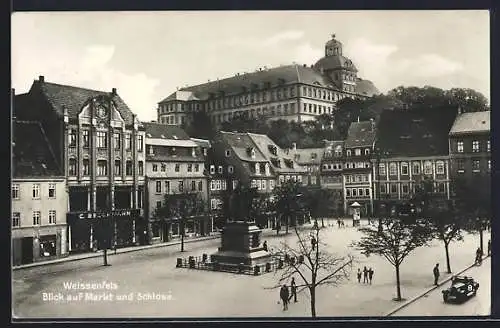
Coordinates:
41	78
113	91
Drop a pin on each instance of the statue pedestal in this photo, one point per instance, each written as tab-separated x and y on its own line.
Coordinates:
241	243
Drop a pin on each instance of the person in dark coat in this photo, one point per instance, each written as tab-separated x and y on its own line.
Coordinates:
479	256
489	247
284	297
359	275
293	288
370	275
265	245
435	271
365	275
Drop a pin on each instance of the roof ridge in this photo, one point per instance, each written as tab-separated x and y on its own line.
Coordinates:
73	87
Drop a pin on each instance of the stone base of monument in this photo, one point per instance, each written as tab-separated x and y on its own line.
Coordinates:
241	244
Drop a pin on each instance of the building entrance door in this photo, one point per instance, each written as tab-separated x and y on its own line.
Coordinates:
27	250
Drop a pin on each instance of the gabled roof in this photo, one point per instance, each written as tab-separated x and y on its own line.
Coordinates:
164	131
73	99
32	155
360	134
311	156
241	143
264	143
475	122
282	75
180	95
415	132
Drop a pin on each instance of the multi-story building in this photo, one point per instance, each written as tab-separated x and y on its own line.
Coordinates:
282	164
331	168
39	197
411	145
310	159
292	92
174	165
99	143
357	177
470	151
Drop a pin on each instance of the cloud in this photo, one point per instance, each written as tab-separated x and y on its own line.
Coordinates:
272	41
306	54
91	68
429	65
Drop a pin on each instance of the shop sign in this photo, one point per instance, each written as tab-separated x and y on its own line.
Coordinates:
107	214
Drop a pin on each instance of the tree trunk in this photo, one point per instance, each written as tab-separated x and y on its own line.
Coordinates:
322	222
398	285
312	291
182	236
105	255
448	266
287	223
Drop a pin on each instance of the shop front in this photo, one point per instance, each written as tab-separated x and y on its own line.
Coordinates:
164	230
38	244
90	231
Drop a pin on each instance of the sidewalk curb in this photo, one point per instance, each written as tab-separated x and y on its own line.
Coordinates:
419	296
110	253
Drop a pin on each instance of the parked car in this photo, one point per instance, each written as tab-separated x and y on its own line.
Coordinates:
462	288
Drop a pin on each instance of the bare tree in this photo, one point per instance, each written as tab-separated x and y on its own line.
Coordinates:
310	261
394	240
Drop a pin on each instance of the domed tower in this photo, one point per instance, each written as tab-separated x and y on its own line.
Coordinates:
337	67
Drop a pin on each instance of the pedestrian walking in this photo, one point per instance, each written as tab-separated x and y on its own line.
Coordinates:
284	297
359	275
293	288
435	271
265	245
370	275
338	223
479	256
365	275
342	223
489	247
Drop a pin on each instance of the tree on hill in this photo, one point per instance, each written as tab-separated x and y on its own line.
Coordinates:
200	126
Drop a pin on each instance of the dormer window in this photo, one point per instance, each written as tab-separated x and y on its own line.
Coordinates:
268	169
289	163
220	169
348	152
230	169
193	152
151	151
273	150
228	153
257	168
367	151
338	151
212	169
357	152
251	152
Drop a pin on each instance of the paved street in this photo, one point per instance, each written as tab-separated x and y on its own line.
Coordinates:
432	304
188	293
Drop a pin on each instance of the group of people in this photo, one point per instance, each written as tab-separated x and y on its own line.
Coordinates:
367	275
286	295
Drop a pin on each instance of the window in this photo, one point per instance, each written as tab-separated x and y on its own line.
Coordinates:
263	185
487	145
393	169
118	166
155	167
489	165
118	140
15	191
200	185
405	189
72	167
271	184
381	169
220	169
72	138
177	167
212	169
163	167
230	169
348	192
416	168
476	165
212	185
52	217
460	166
354	192
141	168
367	151
36	191
86	166
101	139
394	188
167	187
347	178
383	188
36	217
85	138
404	168
158	187
52	190
158	204
128	168
197	167
181	186
128	141
441	187
16	219
367	192
140	142
253	184
193	185
190	168
102	168
427	168
439	167
460	146
357	152
228	153
475	146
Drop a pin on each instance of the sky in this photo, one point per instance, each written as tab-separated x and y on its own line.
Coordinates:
148	55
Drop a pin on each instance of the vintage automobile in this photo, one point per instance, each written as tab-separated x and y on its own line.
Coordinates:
462	288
